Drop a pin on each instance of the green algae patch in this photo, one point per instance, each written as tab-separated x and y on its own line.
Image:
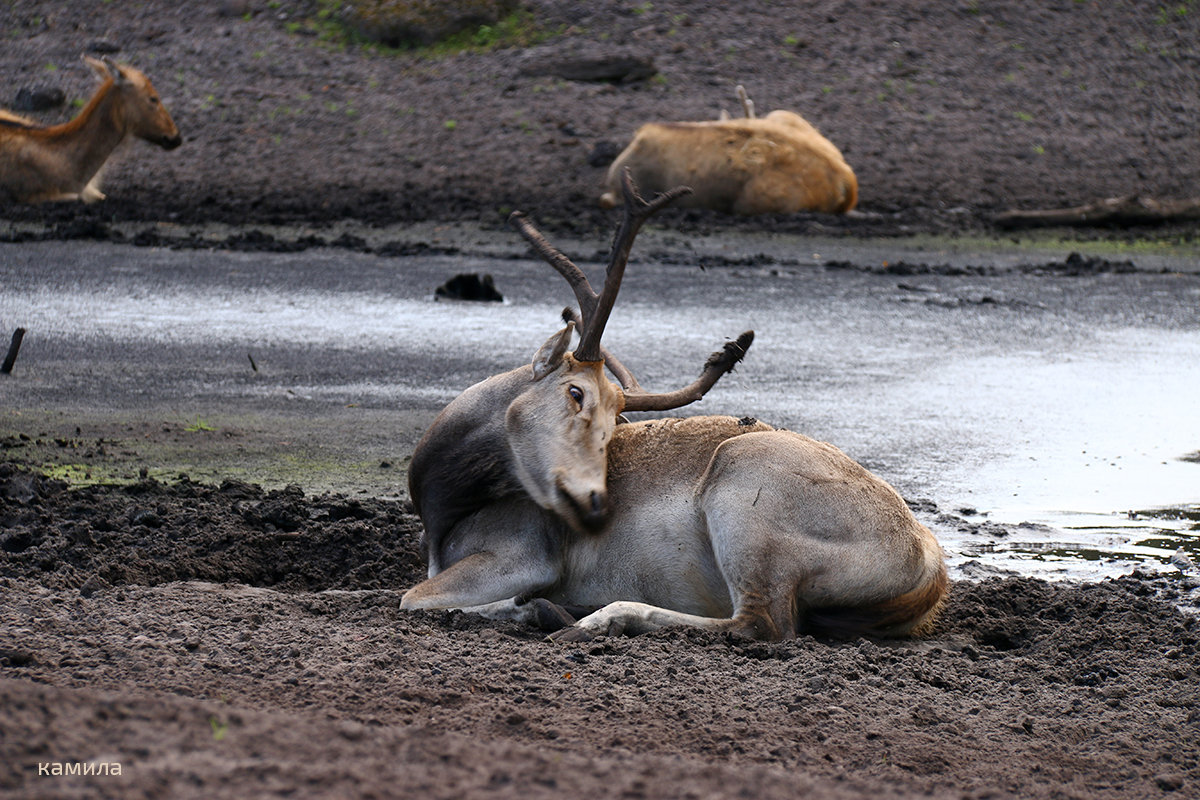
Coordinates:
349	455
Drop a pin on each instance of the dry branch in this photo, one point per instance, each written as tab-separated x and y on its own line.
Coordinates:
1127	210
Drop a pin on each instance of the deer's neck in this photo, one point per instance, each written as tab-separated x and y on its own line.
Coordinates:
464	461
87	141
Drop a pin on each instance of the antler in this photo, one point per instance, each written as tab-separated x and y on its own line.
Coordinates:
597	307
719	363
747	103
638	399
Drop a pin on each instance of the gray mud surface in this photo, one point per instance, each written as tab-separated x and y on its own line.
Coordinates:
223	640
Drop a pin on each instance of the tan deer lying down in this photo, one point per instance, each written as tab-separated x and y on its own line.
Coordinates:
538	501
64	162
778	164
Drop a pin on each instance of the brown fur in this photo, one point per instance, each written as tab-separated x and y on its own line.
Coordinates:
778	164
75	124
911	614
41	163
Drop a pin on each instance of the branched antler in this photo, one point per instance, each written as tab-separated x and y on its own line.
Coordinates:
596	308
638	399
719	363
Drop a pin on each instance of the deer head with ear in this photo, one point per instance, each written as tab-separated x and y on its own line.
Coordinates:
559	427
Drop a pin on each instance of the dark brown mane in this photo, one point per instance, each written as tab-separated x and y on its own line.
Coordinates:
453	488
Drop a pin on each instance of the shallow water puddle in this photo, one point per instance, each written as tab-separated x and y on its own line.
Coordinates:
1042	424
1080	546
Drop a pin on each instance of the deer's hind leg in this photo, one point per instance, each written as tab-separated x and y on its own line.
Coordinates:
800	529
753	578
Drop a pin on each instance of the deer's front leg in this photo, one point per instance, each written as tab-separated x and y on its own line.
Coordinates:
481	579
474	583
496	562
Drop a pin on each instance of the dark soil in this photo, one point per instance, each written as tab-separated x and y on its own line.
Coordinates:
230	642
224	641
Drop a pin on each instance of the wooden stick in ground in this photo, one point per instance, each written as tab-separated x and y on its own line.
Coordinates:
13	347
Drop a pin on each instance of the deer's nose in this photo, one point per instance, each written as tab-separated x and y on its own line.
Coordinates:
585	508
595	512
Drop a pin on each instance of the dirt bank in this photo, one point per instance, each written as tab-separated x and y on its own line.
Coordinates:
947	113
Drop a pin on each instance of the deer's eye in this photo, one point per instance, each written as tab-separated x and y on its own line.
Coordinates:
576	394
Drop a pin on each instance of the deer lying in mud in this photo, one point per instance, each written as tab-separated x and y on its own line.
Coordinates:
64	162
539	501
778	164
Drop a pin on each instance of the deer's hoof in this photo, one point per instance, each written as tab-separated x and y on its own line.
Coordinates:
572	635
549	616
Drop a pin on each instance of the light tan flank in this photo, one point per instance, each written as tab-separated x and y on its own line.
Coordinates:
777	164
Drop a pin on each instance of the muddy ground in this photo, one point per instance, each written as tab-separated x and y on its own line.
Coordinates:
231	642
226	641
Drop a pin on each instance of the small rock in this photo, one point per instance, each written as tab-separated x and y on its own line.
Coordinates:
470	286
103	47
40	99
603	153
1181	559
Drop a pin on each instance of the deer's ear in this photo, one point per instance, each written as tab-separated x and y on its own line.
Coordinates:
549	357
98	66
114	69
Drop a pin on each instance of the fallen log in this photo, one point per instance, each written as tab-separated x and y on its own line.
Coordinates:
1127	210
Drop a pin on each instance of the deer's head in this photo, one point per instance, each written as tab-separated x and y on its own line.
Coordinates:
141	110
558	430
560	426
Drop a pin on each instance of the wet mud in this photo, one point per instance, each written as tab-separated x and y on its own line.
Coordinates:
223	641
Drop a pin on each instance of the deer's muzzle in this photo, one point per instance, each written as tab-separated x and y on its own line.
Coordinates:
591	513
